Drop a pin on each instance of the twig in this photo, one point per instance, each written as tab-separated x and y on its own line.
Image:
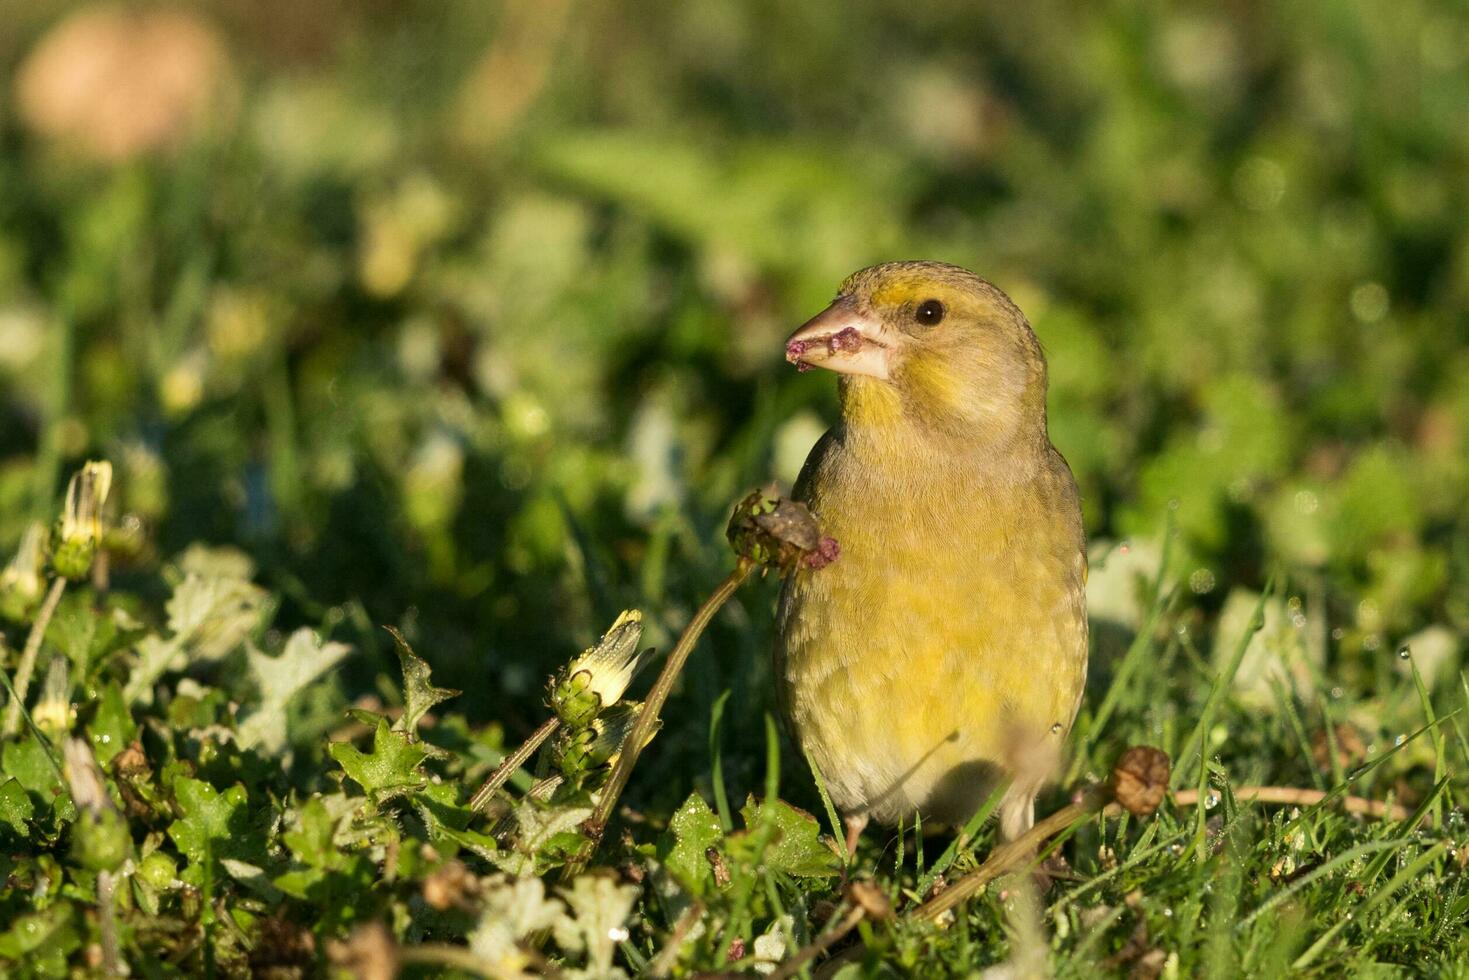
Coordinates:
1138	784
1017	852
512	762
1292	795
1099	800
823	942
27	663
643	728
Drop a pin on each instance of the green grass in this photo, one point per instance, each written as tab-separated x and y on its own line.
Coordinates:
383	345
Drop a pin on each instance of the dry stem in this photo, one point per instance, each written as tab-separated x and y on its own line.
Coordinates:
1291	795
643	728
512	762
823	942
27	664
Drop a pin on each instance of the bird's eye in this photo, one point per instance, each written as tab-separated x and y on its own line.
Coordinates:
929	312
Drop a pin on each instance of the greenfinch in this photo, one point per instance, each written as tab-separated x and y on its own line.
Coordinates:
945	650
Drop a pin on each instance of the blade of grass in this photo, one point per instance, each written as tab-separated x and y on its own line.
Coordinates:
1408	828
1315	874
1407	874
1438	735
1341	788
925	882
1286	701
1131	661
1196	742
837	829
716	761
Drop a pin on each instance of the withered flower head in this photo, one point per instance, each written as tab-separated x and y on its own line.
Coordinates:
597	679
775	532
79	530
1140	779
53	713
577	752
23	580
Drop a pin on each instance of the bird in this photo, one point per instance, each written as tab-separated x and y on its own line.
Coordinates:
944	652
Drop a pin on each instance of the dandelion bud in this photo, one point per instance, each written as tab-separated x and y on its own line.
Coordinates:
78	532
159	871
775	532
597	679
22	581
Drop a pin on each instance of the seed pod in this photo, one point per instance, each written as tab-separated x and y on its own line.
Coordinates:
774	532
1140	779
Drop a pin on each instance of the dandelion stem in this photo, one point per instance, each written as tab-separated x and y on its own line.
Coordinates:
643	728
512	762
27	664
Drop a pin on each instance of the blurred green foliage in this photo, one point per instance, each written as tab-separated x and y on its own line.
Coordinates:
471	314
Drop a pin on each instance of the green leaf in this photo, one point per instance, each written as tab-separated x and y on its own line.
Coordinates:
211	823
390	770
279	679
43	939
797	848
418	694
684	848
16	806
28	762
112	728
446	820
311	839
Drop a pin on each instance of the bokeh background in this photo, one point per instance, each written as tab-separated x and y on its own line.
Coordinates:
467	316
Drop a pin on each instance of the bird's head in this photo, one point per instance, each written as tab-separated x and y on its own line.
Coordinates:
930	344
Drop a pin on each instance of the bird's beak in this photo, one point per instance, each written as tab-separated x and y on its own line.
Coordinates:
844	339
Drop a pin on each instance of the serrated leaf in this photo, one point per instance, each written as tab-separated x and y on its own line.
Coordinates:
210	823
446	820
602	907
542	831
419	696
391	769
302	660
16	806
212	616
693	829
512	911
796	847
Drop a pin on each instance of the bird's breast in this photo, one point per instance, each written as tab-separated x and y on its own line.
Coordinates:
953	619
